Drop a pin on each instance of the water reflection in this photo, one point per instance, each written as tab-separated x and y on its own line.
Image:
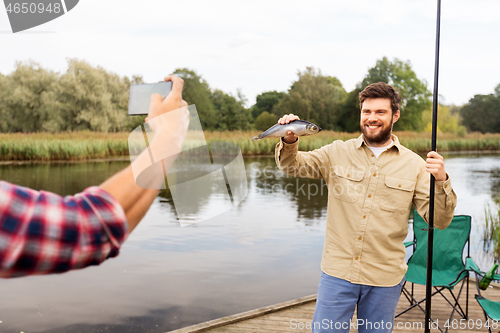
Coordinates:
491	240
266	250
476	180
254	255
310	196
491	176
61	178
482	178
495	184
491	243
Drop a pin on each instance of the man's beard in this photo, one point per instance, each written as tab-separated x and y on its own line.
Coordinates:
383	136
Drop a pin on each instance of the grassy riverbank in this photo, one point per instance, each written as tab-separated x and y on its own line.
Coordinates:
62	146
91	145
418	142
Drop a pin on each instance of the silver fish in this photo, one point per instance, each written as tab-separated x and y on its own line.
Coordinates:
298	127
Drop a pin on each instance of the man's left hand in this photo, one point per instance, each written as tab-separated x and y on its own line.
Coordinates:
435	165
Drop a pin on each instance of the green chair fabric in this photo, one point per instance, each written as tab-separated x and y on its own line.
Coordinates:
406	244
492	309
448	267
470	265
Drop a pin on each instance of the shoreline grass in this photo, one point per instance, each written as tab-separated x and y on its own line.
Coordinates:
92	145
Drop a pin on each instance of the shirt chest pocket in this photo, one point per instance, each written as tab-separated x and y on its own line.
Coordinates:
347	184
396	194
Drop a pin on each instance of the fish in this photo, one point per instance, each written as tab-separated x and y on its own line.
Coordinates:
298	127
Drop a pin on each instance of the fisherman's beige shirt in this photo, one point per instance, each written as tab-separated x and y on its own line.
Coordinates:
369	201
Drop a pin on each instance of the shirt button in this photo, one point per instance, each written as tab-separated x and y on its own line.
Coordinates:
348	175
399	185
445	186
356	258
364	216
374	175
360	238
369	195
373	155
439	187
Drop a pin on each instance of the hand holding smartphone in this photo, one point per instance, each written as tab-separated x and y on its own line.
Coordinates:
140	96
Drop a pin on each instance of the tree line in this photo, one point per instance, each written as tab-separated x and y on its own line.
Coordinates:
34	99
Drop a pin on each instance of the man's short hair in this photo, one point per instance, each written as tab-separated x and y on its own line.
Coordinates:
381	90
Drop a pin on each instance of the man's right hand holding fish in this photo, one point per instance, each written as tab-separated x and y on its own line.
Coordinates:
291	137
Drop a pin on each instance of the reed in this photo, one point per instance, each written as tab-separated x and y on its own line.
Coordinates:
491	236
418	142
62	146
91	145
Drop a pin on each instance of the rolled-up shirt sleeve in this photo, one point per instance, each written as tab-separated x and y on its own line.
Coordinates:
306	164
43	233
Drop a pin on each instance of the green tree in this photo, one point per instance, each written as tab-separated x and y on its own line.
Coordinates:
455	109
93	99
335	81
4	117
265	102
482	113
350	112
265	120
447	121
315	98
90	98
216	109
415	96
230	112
197	91
30	99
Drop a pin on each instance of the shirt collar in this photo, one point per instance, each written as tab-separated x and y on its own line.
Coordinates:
360	141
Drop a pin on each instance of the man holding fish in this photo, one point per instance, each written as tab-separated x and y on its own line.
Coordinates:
372	182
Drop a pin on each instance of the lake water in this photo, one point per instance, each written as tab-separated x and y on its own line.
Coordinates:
266	250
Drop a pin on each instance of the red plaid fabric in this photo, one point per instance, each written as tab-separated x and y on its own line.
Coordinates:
42	233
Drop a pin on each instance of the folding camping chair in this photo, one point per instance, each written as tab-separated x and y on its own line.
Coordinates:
448	268
491	309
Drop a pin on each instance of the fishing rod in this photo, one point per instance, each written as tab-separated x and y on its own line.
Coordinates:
430	235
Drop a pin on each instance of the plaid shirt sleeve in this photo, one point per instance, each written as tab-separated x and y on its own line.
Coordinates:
43	233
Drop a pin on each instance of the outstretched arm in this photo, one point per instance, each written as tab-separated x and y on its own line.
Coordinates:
168	140
44	233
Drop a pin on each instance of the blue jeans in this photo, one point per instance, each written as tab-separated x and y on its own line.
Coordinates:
338	298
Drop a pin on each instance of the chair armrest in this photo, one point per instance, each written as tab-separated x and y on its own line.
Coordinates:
406	244
470	265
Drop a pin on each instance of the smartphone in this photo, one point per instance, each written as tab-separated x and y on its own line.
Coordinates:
140	96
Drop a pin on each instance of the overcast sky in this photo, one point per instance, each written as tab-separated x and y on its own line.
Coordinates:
259	46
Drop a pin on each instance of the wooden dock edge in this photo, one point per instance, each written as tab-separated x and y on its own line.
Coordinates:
245	315
263	311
